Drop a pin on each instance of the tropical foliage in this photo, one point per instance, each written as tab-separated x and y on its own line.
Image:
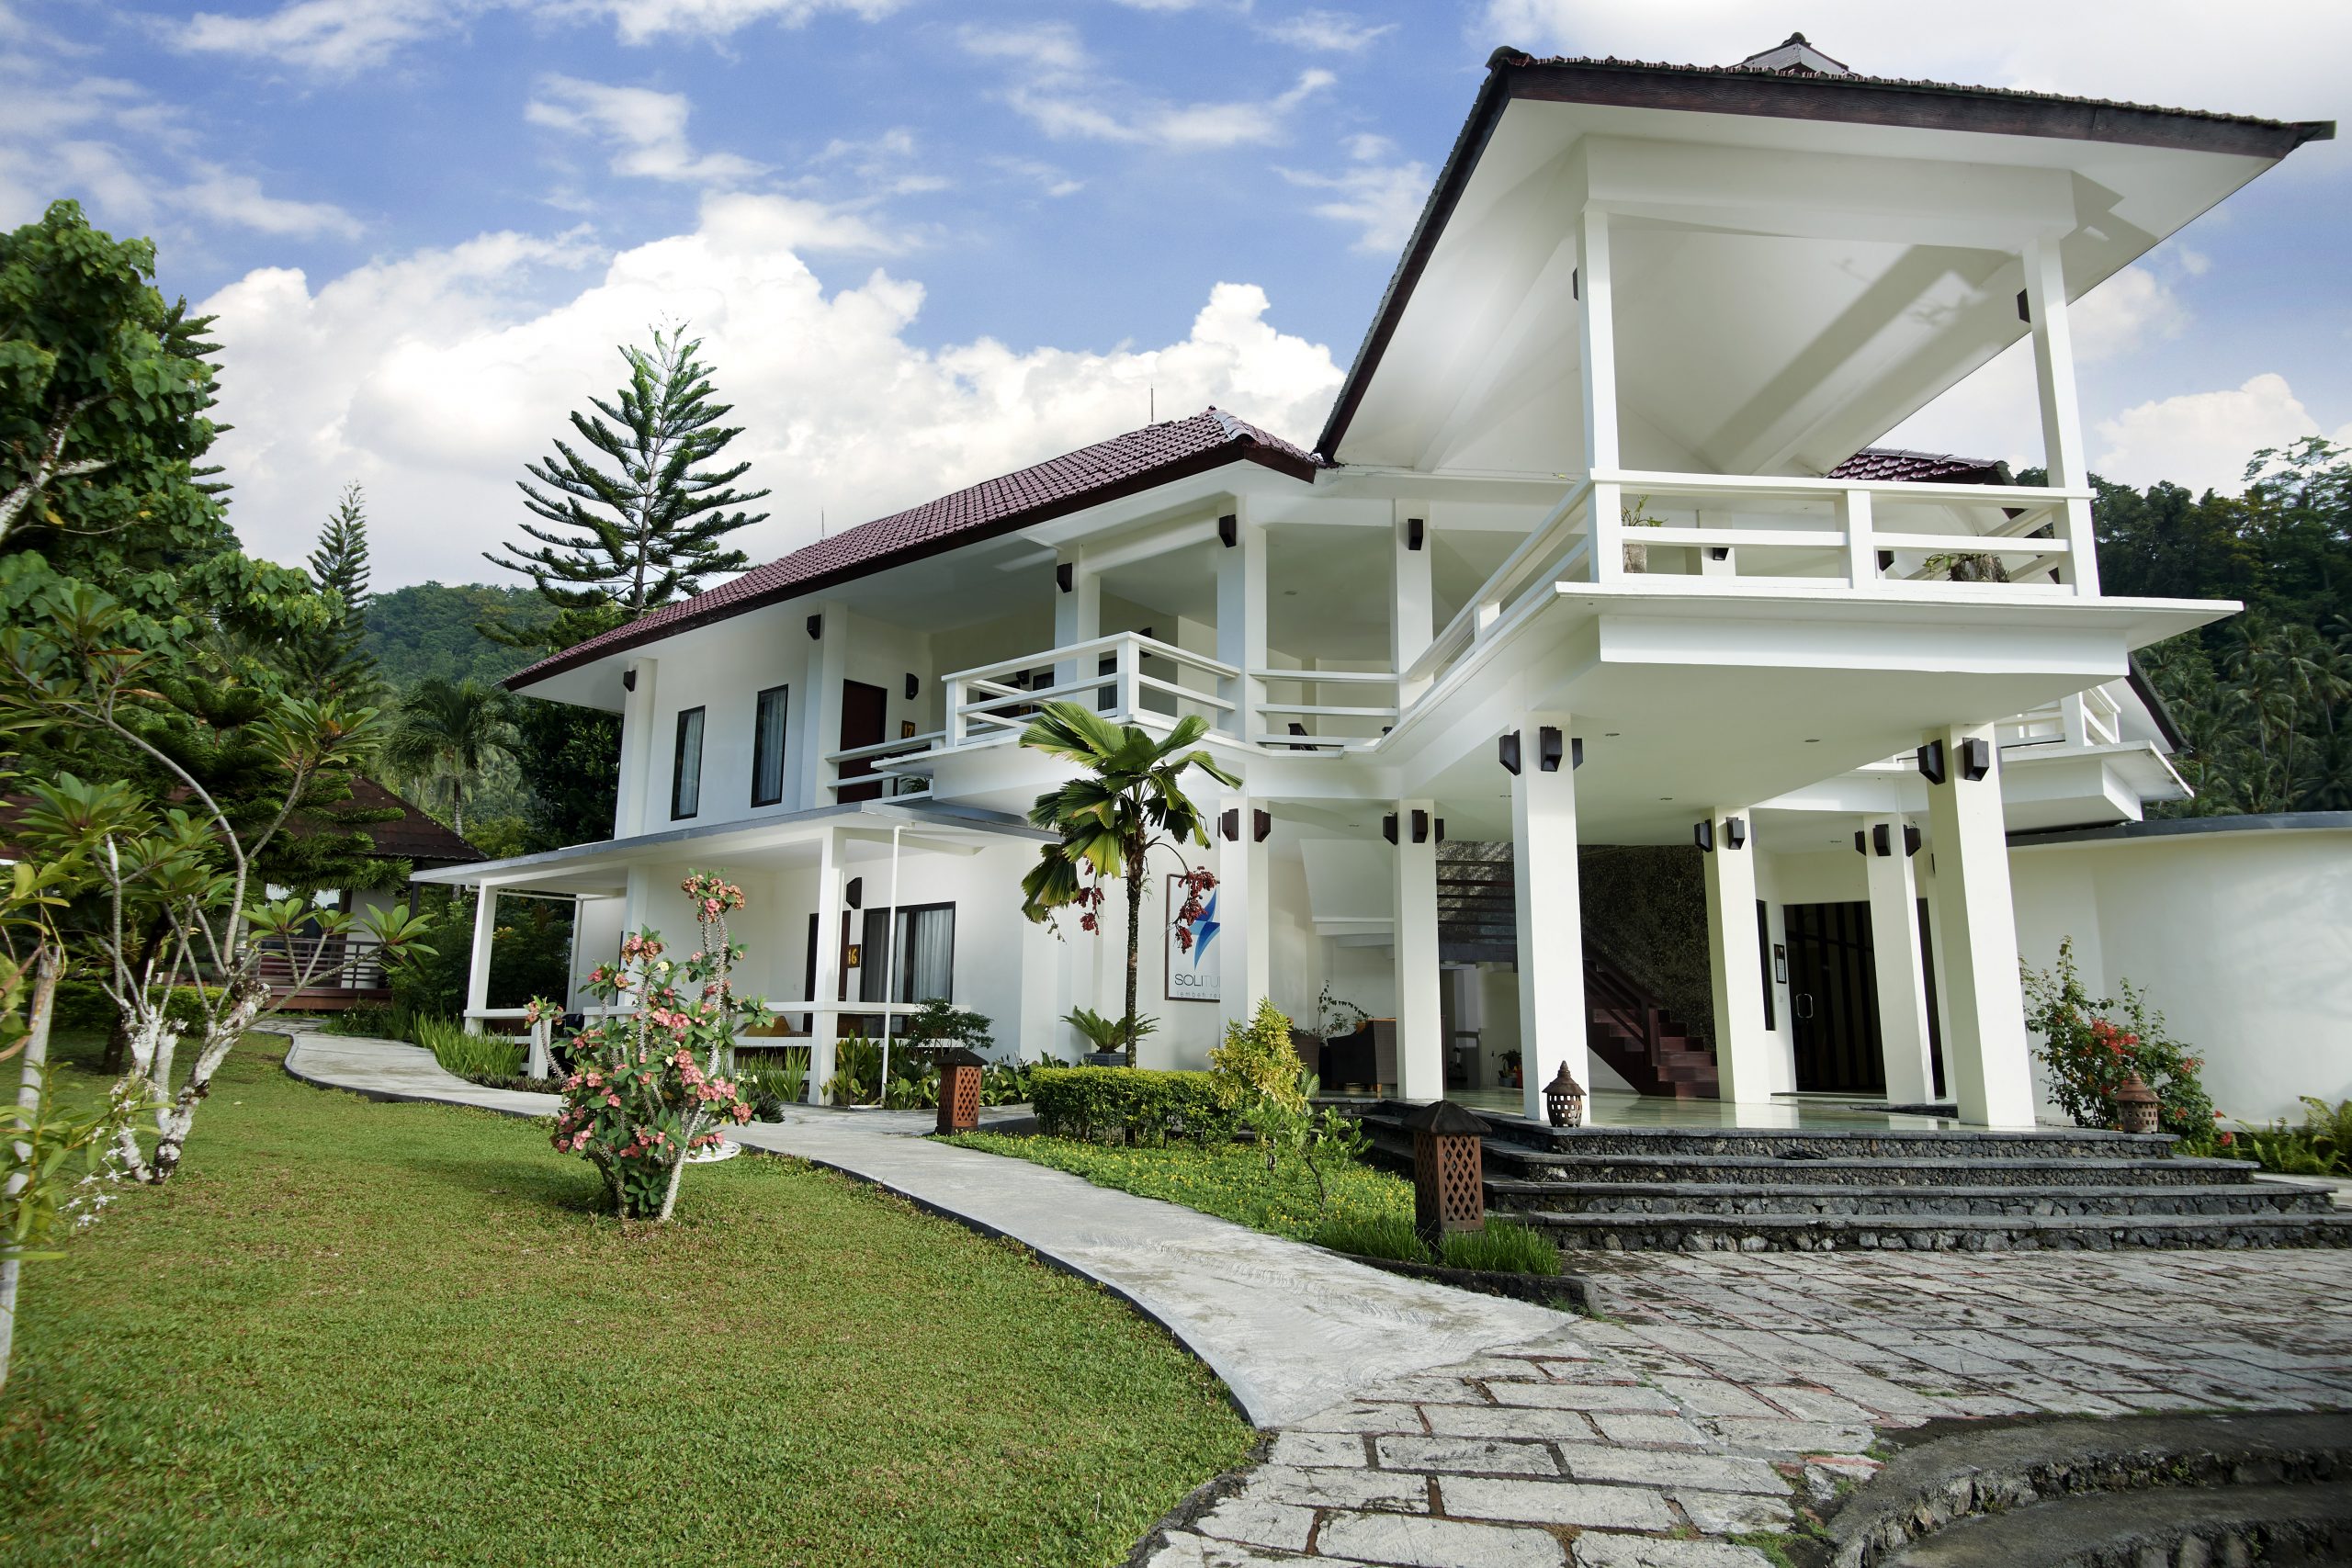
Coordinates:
2264	699
1125	802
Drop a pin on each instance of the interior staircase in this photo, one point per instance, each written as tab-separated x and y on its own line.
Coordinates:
1626	1026
1696	1189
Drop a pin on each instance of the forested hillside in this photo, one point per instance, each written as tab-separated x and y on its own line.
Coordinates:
2265	698
430	630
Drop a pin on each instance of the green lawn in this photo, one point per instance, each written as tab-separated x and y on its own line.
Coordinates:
395	1334
1226	1180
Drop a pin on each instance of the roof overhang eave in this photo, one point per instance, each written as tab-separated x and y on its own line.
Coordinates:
1513	75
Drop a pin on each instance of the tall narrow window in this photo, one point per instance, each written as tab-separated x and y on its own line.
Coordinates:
767	747
686	771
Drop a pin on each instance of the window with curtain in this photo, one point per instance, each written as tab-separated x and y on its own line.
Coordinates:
685	769
767	747
927	954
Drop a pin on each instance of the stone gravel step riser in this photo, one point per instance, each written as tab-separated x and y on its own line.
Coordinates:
2259	1203
1925	1176
1827	1233
1506	1133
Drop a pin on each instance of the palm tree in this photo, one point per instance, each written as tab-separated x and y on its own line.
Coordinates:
449	735
1126	803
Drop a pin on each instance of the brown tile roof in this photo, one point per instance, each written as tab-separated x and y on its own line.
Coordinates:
1121	466
413	836
1896	465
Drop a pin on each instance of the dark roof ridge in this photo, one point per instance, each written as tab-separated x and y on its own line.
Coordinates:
1122	465
2315	130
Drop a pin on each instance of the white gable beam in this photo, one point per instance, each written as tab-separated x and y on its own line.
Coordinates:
1830	195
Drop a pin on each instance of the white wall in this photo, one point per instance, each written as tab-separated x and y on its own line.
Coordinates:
2242	939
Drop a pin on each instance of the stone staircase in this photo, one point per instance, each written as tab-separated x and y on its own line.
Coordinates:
1695	1189
1626	1026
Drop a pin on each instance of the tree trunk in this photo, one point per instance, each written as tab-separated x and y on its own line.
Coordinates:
1134	944
48	964
119	1032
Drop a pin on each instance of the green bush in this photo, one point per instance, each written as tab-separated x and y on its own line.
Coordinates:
84	1006
1130	1105
2321	1146
1256	1060
2089	1053
474	1056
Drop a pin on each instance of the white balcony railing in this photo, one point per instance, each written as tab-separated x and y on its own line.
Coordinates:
1127	676
1315	724
1727	533
2092	718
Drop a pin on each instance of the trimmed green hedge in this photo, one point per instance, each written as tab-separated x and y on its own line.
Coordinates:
84	1005
1130	1105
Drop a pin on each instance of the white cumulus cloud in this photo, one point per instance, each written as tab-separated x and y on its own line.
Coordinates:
646	130
434	378
2202	440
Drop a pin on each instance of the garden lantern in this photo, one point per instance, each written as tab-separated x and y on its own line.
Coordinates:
1563	1100
959	1091
2135	1105
1449	1183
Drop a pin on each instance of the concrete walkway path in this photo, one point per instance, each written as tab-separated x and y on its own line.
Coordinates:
1292	1329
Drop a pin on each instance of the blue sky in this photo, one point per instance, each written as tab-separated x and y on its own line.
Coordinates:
927	242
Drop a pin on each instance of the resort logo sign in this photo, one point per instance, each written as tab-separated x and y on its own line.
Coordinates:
1197	976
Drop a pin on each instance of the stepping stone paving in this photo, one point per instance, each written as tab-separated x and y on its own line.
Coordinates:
1725	1391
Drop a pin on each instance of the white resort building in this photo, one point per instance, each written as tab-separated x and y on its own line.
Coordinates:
1594	571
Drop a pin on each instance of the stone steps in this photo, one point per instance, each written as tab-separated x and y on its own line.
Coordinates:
2279	1527
1706	1189
1754	1170
2266	1197
1796	1231
2129	1490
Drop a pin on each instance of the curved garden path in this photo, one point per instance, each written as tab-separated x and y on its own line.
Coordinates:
1415	1426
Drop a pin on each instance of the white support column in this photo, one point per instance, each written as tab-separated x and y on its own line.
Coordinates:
819	704
1078	615
825	1007
1986	1061
1245	915
1420	1026
478	967
1413	625
1597	348
1902	981
2062	412
1554	1025
1861	550
1241	620
1745	1064
641	749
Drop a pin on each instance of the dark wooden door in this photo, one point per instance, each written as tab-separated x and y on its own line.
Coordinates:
1833	997
864	711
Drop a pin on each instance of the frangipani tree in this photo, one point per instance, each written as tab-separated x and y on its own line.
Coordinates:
647	1090
184	910
1126	801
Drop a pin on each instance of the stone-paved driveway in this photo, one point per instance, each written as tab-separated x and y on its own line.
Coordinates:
1725	1387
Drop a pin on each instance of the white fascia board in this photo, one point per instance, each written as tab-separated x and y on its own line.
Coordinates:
1830	195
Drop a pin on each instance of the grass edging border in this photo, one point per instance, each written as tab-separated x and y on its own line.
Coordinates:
1540	1288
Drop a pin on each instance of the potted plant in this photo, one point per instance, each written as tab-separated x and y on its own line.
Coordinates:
1112	1039
1637	554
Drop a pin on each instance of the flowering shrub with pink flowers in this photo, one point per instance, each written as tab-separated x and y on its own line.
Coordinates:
649	1088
